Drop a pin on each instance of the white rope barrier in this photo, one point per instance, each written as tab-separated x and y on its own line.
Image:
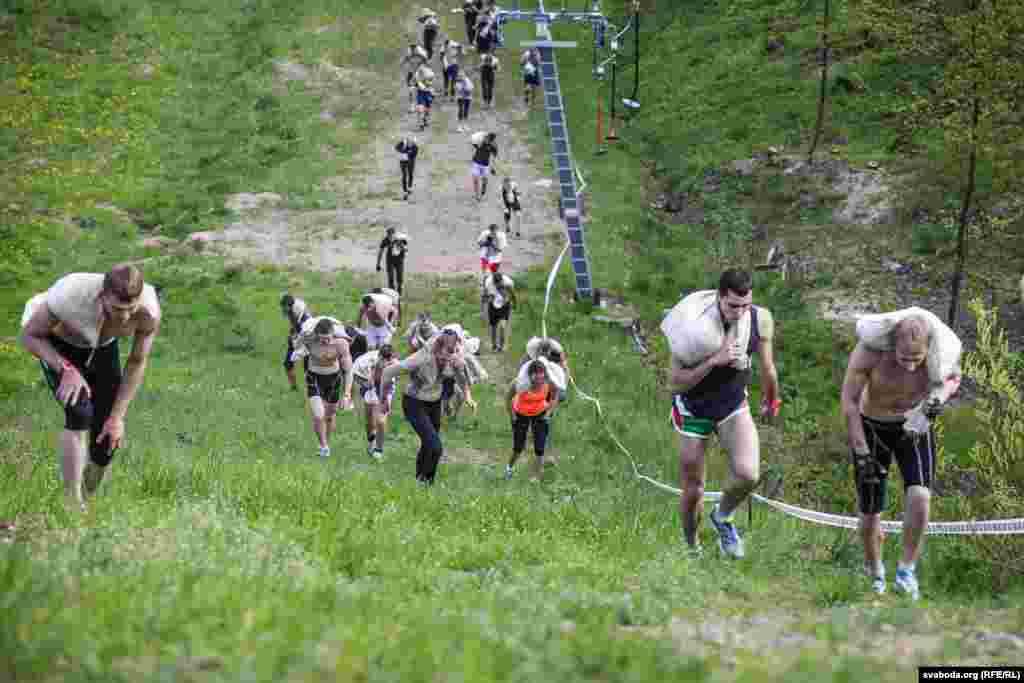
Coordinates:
547	292
962	528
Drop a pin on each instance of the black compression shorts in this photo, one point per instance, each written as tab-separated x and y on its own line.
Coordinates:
327	387
103	375
914	453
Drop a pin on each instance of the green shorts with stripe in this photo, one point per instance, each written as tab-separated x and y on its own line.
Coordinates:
688	424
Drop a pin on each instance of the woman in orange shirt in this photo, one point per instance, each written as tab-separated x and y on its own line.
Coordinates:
531	408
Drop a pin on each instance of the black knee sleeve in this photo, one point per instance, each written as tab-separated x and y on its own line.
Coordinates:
79	416
100	454
871	478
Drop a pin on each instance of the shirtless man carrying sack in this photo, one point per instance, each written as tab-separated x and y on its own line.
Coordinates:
905	367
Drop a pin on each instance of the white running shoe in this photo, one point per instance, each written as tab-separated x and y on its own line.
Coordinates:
325	451
906	583
729	540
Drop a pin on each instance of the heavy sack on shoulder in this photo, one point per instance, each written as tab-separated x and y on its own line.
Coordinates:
555	374
474	368
31	306
695	331
944	347
533	347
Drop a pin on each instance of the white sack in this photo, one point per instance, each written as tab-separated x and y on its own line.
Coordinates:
694	333
31	306
944	349
555	374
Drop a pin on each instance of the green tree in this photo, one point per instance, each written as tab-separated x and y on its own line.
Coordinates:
997	459
822	94
976	101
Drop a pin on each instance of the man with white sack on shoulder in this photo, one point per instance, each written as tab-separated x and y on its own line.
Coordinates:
712	335
904	369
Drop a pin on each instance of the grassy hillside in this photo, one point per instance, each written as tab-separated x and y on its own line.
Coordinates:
224	549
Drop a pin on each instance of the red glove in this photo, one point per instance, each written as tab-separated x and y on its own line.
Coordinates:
770	404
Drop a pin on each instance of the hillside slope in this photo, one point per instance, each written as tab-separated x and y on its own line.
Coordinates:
224	549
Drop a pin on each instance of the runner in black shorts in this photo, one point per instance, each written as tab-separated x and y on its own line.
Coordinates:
367	371
500	295
485	149
101	370
889	397
73	329
510	198
326	342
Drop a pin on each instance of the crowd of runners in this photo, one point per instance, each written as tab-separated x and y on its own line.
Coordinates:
904	369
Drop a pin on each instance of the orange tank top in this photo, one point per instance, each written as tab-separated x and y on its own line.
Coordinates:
530	403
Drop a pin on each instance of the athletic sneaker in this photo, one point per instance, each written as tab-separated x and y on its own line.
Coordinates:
906	582
377	453
325	451
878	585
729	541
509	471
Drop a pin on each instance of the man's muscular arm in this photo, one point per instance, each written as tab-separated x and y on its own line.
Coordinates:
135	367
858	376
35	337
345	359
134	370
770	399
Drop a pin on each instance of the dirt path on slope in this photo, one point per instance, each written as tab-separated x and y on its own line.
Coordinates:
441	217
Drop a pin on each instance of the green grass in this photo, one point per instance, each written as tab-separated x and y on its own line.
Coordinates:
223	548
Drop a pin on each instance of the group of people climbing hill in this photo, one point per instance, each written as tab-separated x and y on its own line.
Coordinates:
903	371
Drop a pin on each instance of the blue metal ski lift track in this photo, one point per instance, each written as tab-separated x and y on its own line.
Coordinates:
561	151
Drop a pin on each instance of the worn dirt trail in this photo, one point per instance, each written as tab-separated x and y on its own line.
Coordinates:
441	217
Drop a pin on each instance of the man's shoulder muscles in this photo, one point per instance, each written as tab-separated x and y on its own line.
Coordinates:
863	361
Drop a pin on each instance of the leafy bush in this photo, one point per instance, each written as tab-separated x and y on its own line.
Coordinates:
998	456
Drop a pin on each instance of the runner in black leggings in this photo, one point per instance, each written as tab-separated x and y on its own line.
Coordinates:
489	68
407	150
394	246
421	400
